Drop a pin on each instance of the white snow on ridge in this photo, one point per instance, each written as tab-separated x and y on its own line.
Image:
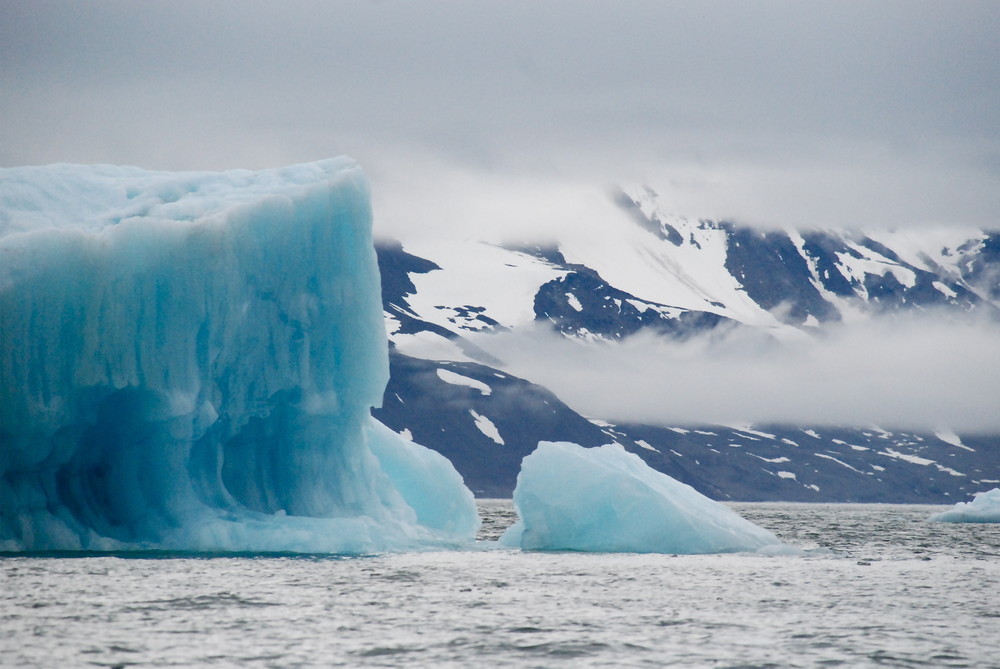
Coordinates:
691	275
456	379
848	307
501	281
932	247
857	269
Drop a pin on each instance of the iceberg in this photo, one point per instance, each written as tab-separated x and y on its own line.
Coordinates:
984	508
188	362
606	499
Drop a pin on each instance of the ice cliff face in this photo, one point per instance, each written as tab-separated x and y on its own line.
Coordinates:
188	361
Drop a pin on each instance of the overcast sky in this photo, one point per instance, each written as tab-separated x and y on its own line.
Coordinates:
519	115
836	113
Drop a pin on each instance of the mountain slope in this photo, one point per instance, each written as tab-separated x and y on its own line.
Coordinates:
648	271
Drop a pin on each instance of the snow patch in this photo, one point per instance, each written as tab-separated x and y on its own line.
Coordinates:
839	462
486	426
456	379
948	292
949	437
503	282
912	459
746	429
771	460
646	445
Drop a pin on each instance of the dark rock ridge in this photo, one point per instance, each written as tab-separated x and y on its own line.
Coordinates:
582	303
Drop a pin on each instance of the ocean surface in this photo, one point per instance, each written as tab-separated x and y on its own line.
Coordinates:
875	585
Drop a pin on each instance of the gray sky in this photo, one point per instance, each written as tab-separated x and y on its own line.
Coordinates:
845	113
475	116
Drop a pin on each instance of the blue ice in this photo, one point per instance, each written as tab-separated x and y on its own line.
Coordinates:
188	361
984	508
608	500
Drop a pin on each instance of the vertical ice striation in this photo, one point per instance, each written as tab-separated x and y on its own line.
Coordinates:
188	361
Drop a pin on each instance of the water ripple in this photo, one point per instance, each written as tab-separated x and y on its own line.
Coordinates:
876	586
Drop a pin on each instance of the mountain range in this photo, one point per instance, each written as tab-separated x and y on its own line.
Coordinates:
648	271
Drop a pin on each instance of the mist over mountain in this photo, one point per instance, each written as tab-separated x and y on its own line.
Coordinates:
754	364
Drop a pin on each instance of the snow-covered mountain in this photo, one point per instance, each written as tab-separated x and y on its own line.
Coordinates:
682	278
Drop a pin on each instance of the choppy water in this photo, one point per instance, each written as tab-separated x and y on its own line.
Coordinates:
890	590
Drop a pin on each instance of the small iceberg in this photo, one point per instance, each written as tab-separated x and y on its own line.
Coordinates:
984	508
608	500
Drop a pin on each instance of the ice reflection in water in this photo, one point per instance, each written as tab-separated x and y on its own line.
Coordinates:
890	589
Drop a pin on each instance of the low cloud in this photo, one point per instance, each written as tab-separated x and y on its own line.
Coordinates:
924	372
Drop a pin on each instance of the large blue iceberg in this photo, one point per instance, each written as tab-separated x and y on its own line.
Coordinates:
608	500
984	508
188	362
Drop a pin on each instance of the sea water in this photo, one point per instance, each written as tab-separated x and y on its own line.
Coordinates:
875	585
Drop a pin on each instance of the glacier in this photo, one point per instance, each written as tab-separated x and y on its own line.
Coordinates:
606	499
984	508
188	362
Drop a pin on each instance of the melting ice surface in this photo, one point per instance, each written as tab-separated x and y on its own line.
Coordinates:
608	500
188	360
984	508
